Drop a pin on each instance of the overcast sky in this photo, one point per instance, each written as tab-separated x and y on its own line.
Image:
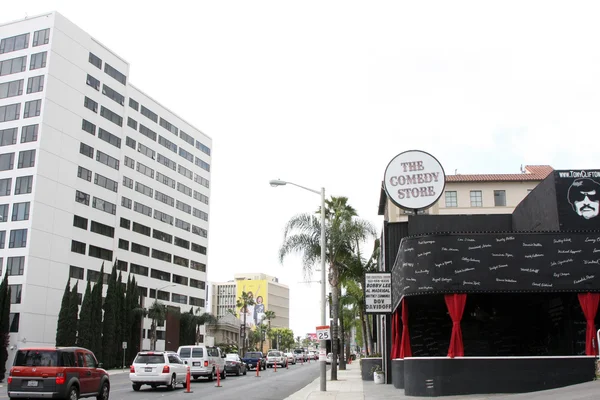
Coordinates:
326	93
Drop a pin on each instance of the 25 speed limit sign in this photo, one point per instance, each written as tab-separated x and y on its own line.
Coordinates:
323	333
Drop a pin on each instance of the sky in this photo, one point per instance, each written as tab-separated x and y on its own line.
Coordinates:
326	93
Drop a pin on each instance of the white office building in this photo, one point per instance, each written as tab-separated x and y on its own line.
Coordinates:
93	171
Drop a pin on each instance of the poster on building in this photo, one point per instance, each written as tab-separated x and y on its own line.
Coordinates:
378	292
578	199
254	314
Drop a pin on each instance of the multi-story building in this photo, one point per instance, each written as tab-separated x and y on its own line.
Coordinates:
222	298
476	194
93	171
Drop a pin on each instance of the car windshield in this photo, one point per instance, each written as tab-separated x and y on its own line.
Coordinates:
273	354
36	358
252	355
150	359
231	357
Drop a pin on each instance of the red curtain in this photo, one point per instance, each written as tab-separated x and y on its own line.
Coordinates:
456	307
395	334
405	341
589	305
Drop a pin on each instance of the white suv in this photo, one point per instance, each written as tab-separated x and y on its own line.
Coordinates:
276	357
156	368
203	361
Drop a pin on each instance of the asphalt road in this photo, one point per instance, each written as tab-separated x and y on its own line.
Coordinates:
270	385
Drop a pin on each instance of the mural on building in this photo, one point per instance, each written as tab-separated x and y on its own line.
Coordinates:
578	198
255	313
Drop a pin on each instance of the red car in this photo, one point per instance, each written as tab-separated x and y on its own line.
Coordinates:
57	373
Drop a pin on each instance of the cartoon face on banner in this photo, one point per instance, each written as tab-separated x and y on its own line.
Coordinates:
584	197
255	313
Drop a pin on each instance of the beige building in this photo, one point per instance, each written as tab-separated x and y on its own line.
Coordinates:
226	330
476	194
222	298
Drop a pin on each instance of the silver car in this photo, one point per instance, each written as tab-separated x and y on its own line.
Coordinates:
157	368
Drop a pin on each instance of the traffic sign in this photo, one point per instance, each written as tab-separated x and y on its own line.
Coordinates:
323	332
124	345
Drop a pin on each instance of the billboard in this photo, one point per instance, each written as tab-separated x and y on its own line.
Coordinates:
578	199
255	313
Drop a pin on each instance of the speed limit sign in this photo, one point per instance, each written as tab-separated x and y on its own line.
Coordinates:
323	333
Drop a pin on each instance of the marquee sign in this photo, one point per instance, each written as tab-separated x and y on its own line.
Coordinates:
414	180
378	292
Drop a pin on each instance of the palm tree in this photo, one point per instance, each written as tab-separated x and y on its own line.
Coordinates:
269	316
201	318
343	229
158	313
242	303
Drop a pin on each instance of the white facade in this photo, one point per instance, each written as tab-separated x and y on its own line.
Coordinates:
139	195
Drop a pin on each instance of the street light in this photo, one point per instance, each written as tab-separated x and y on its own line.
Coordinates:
322	344
154	322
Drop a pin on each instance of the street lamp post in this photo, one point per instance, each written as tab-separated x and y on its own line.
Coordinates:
154	321
322	343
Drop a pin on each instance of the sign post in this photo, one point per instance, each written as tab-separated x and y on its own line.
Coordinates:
124	345
323	334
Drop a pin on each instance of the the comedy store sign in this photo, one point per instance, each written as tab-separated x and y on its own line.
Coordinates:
414	180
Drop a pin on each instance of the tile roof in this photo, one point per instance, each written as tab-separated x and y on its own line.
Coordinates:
532	173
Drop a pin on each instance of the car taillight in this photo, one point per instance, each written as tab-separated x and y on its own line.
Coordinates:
60	378
166	369
206	363
9	380
132	369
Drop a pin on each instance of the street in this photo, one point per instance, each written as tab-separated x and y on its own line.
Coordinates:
270	385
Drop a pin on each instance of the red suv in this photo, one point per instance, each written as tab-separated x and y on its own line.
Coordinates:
57	373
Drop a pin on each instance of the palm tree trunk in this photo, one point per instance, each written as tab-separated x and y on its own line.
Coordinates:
369	337
363	328
342	334
335	310
245	333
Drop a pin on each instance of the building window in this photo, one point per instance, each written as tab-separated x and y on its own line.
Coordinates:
203	164
132	123
122	265
86	150
32	109
129	142
24	184
186	154
80	222
129	162
198	248
14	43
113	95
84	174
76	272
142	209
162	236
182	243
95	61
149	172
149	114
476	198
78	247
185	172
3	213
161	255
141	229
163	217
111	116
107	160
176	298
29	133
143	189
99	252
82	198
134	104
186	137
182	224
105	182
10	112
90	104
35	84
197	284
20	211
147	151
13	65
138	269
26	159
140	249
200	214
124	244
125	202
451	199
112	72
500	198
109	138
196	230
183	207
15	265
182	280
149	133
92	82
168	144
11	89
168	126
200	197
41	37
128	182
13	321
184	189
15	294
104	205
184	262
5	186
194	301
8	137
101	229
163	276
125	223
38	60
202	148
198	266
2	241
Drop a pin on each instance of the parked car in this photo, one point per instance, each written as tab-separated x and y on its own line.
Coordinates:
59	372
234	364
203	361
291	359
300	354
254	359
157	368
275	357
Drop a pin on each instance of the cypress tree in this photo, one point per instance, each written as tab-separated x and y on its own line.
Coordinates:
109	324
72	316
4	324
96	320
62	326
135	324
119	319
84	337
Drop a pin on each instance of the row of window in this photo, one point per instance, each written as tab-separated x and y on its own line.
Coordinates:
12	112
20	212
26	160
15	88
104	112
476	197
29	133
108	69
14	265
23	185
19	64
20	42
17	237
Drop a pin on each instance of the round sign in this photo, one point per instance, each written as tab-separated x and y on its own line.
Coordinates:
414	180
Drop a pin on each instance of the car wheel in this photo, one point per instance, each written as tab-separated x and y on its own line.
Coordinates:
223	374
104	392
245	370
238	372
212	375
136	386
153	386
73	393
173	383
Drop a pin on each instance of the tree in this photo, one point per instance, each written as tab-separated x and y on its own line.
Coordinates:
201	318
84	335
302	234
96	316
109	324
158	314
72	316
269	316
119	318
187	329
284	338
4	324
62	326
242	304
135	315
